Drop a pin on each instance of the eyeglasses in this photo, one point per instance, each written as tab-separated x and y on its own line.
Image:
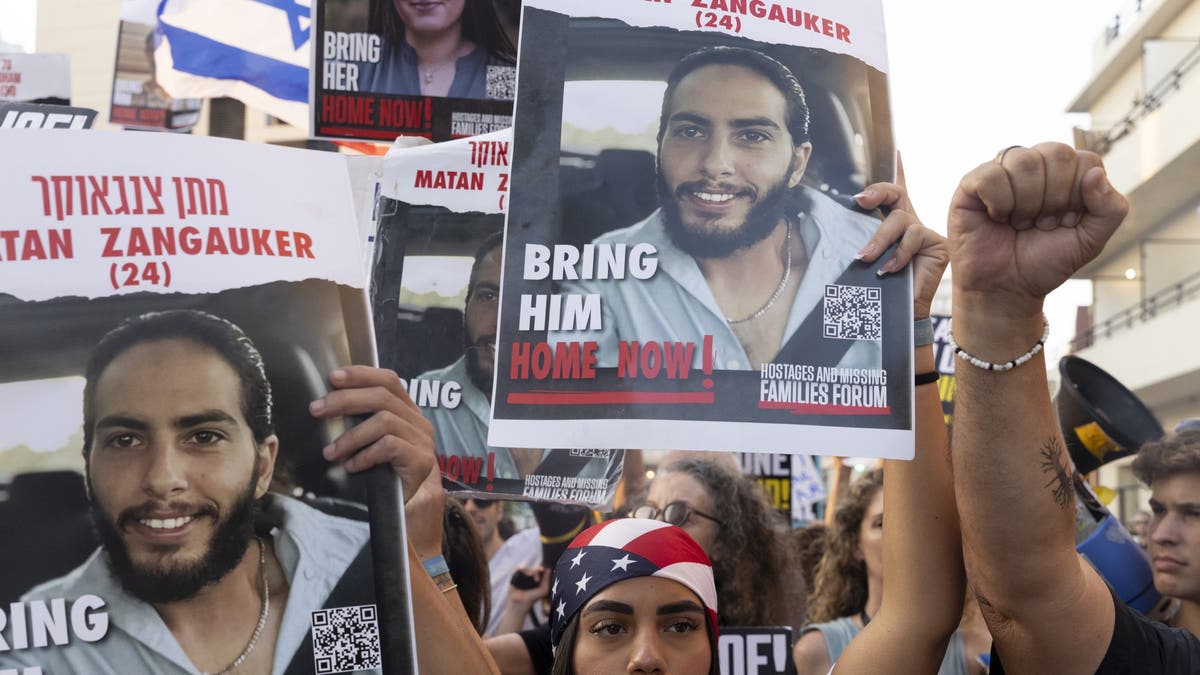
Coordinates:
675	513
482	503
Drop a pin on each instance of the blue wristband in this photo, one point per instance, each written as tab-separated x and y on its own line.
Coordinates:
922	332
436	566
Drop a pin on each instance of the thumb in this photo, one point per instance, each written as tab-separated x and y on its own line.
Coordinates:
1104	207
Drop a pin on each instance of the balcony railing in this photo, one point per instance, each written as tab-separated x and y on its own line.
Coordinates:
1126	16
1101	141
1174	295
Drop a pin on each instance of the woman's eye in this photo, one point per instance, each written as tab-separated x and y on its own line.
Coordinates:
608	628
682	626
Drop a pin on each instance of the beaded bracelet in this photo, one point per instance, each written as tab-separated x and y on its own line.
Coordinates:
987	365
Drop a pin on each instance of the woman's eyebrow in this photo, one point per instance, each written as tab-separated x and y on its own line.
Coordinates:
680	607
609	606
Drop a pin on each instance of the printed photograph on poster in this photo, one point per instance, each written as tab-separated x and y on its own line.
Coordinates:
35	78
435	299
138	101
681	261
170	307
388	68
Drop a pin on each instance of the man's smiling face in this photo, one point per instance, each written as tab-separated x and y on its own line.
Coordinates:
726	159
173	468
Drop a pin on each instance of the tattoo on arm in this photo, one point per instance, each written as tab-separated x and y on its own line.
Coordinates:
1056	464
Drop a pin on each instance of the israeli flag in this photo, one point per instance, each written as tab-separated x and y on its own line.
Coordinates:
256	51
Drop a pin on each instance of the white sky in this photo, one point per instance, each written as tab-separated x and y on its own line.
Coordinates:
17	20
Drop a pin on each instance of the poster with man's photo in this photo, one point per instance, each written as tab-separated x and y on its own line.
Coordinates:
682	263
170	309
138	101
435	297
440	69
35	78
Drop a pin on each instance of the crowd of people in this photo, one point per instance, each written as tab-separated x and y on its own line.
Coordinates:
988	519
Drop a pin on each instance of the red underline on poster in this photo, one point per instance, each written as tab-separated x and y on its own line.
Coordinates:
815	409
386	134
544	397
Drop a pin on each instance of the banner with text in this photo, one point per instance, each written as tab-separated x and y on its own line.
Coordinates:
35	78
436	286
438	70
171	306
682	252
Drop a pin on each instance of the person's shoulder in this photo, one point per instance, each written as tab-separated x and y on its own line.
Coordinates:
443	372
1141	645
649	228
810	652
70	585
530	538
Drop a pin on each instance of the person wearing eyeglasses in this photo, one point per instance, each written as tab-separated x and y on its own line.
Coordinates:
758	577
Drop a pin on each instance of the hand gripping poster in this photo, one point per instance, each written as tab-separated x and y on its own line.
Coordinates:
681	259
170	307
435	298
388	68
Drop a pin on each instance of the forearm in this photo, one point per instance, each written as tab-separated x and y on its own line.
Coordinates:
921	551
446	640
513	618
1012	473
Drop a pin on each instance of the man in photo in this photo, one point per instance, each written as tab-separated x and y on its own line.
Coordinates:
202	566
744	251
463	430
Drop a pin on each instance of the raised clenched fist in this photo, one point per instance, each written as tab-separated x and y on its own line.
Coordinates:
1022	224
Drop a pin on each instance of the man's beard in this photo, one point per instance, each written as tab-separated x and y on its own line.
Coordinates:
760	222
479	377
178	582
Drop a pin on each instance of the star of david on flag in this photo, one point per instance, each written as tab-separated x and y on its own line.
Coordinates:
256	51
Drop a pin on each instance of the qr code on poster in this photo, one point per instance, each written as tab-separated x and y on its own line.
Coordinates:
346	639
501	83
853	313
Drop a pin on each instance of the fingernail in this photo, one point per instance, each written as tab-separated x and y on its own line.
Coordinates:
317	406
1047	223
884	268
1070	218
866	251
327	451
337	375
863	194
1105	186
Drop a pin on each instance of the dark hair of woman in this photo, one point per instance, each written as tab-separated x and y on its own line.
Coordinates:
468	563
757	575
564	662
480	24
840	588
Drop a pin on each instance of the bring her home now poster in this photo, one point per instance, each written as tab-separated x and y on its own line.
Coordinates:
680	262
436	289
169	308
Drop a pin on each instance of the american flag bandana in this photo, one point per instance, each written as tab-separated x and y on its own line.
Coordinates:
623	549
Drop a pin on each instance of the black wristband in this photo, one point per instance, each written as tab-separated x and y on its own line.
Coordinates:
926	378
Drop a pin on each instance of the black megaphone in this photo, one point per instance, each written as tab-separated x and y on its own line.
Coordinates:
1101	420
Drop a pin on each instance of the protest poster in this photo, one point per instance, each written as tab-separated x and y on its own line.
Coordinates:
435	293
35	78
791	483
755	650
138	100
439	70
681	263
44	116
947	384
195	294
